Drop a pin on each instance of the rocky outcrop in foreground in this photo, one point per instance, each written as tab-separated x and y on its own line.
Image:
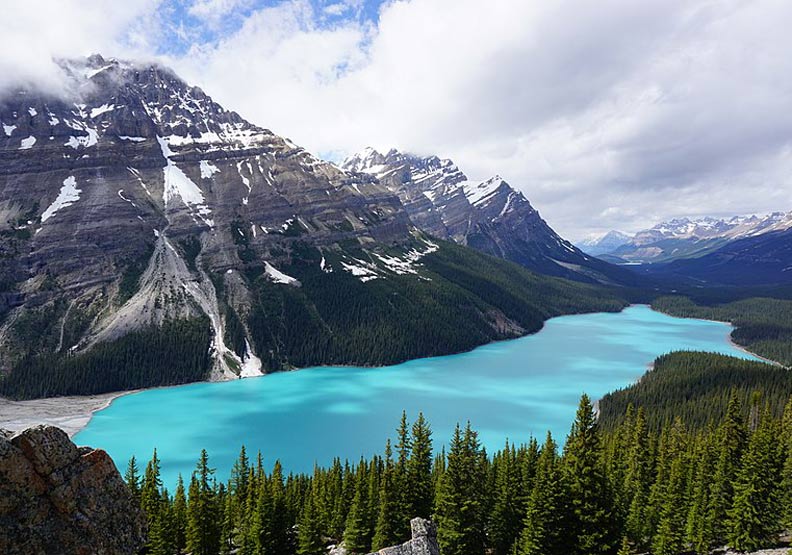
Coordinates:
423	542
56	497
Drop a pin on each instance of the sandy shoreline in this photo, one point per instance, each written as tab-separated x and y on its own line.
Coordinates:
71	414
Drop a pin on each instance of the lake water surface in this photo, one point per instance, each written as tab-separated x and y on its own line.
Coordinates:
511	389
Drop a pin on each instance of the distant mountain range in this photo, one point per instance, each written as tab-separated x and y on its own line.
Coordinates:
682	238
598	244
762	259
150	236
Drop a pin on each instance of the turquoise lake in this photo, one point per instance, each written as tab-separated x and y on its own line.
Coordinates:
511	389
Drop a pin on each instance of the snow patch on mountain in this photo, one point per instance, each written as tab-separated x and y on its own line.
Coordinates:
365	271
408	262
96	112
478	193
251	364
28	143
277	276
208	169
68	195
177	184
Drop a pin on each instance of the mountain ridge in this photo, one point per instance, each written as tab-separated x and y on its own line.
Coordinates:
490	216
680	238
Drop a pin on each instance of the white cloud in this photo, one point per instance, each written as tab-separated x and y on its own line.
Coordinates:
656	108
339	8
35	32
213	12
608	114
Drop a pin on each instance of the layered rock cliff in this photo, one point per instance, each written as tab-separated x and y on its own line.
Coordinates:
133	172
56	497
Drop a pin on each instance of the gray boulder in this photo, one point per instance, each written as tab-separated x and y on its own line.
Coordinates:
423	542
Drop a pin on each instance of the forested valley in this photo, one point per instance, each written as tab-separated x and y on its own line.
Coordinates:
763	324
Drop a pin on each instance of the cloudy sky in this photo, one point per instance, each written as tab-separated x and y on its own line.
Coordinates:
606	114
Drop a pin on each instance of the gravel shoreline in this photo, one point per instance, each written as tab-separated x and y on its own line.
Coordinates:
71	414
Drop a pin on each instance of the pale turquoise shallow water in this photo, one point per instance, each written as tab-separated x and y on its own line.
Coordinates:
511	389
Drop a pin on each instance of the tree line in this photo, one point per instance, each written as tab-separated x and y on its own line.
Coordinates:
763	324
697	386
630	489
175	352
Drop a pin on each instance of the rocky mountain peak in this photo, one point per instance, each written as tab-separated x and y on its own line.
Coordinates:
134	172
489	215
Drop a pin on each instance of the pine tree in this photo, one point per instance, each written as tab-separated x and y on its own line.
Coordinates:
460	503
260	519
387	530
279	540
590	495
238	485
250	518
225	501
617	455
203	531
546	525
754	517
132	479
336	500
357	535
638	480
670	537
150	487
625	548
401	478
731	444
152	504
373	495
698	534
309	538
505	518
528	460
180	516
419	470
786	482
160	533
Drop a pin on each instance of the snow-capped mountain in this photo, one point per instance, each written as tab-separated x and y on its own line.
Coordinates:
490	216
602	243
707	228
148	235
685	238
139	162
757	259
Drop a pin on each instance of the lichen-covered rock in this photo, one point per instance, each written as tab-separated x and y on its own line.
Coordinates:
58	498
423	542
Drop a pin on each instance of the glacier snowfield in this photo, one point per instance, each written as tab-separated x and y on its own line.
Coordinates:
511	389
